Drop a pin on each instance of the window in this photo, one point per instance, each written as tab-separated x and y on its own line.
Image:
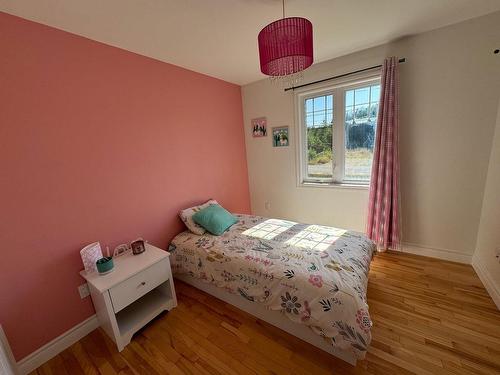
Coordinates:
337	132
319	125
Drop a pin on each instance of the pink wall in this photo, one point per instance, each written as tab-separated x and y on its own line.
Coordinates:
98	144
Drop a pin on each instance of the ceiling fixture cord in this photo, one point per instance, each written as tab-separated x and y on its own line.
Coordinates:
286	47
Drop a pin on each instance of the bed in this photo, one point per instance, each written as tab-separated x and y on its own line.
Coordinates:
309	280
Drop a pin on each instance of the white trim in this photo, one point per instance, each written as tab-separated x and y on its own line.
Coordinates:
325	185
276	318
439	253
56	346
486	279
8	364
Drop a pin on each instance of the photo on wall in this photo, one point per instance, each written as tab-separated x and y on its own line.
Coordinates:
280	136
259	127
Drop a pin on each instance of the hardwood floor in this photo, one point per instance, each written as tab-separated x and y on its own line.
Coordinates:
430	317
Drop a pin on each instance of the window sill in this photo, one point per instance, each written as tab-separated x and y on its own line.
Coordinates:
329	185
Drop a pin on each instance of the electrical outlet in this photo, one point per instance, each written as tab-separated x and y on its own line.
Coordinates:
84	290
267	205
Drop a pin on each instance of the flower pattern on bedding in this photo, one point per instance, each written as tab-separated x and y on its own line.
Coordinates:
315	275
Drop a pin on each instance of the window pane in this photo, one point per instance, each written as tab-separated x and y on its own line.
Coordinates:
362	95
309	105
373	112
319	151
319	103
360	125
361	113
375	94
319	122
329	102
329	116
319	117
349	98
309	120
349	113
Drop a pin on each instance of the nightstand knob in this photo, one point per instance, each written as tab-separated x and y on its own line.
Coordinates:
143	283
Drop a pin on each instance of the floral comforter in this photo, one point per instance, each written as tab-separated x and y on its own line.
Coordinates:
315	275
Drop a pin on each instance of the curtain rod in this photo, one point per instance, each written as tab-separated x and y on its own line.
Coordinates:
402	60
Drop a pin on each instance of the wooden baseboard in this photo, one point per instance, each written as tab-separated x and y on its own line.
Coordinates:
56	346
487	280
444	254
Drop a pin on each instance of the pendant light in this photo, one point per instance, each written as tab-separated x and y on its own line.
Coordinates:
286	47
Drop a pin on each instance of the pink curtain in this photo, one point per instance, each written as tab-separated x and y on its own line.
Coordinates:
383	224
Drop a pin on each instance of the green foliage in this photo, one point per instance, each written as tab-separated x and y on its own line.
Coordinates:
319	142
324	157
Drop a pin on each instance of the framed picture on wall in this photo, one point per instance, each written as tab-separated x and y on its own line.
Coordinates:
259	127
280	136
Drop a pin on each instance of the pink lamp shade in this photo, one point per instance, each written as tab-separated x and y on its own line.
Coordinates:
286	46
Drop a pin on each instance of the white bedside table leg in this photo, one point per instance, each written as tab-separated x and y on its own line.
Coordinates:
120	346
172	290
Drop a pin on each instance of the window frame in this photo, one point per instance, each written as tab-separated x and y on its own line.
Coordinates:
337	89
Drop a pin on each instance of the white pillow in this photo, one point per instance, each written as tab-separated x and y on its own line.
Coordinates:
187	217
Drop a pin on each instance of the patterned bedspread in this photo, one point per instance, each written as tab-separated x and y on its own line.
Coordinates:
315	275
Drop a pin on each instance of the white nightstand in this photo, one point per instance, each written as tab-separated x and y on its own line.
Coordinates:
139	288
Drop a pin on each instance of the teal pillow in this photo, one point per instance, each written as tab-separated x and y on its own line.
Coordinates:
215	219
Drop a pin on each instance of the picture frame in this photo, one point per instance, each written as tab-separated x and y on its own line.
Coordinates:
138	246
281	136
121	250
259	127
90	254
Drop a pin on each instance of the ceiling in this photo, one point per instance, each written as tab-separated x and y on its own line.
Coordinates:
219	37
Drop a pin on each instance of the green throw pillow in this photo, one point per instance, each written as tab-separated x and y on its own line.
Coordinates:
215	219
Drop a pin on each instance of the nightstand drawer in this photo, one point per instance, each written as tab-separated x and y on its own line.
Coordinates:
138	285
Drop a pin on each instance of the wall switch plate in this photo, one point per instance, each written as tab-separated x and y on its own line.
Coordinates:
84	290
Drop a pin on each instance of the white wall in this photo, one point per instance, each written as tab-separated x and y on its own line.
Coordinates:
450	87
488	238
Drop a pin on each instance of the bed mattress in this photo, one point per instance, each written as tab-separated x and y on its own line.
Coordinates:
315	275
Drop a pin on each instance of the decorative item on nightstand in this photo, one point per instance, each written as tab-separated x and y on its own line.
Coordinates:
138	246
121	250
104	265
90	254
